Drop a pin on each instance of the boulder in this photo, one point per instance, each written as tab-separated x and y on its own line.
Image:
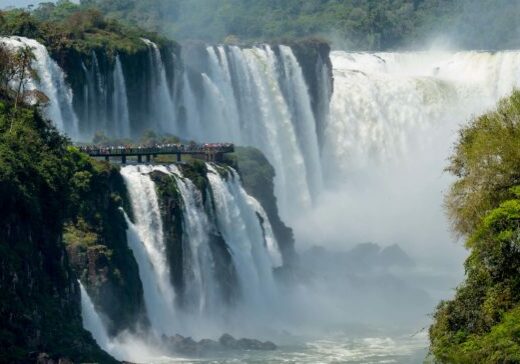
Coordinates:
187	346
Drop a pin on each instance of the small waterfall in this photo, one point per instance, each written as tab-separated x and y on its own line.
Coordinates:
98	102
237	220
51	81
105	100
91	320
162	103
299	101
198	267
191	123
94	105
120	102
147	242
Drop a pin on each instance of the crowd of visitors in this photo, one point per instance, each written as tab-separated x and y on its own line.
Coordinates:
157	149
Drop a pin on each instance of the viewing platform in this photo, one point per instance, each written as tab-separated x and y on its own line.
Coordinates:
211	152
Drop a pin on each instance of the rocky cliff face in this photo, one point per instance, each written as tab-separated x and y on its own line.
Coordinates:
98	89
98	251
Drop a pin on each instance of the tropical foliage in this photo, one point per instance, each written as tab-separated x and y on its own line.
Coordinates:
362	24
482	323
66	25
41	179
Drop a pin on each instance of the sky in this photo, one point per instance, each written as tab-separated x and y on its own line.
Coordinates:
22	3
18	3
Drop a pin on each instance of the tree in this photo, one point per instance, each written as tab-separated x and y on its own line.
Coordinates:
16	70
481	323
7	68
487	164
23	72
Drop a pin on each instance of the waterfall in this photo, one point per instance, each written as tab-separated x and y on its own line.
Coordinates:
232	214
105	101
392	123
299	101
237	219
191	116
162	103
50	81
120	102
96	105
91	320
198	262
247	100
146	240
381	101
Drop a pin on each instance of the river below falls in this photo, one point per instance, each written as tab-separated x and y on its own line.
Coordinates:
401	349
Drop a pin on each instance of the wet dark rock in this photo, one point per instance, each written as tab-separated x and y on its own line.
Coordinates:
44	358
209	345
188	346
228	341
253	344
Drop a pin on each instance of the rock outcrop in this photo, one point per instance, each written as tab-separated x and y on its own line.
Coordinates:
187	346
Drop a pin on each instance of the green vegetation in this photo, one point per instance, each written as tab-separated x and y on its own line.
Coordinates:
360	24
482	323
59	206
66	26
95	238
39	299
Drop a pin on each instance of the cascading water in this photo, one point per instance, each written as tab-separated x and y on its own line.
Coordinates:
50	81
371	158
91	320
146	239
245	228
162	108
259	96
297	95
393	119
381	100
246	98
200	294
237	219
120	102
104	107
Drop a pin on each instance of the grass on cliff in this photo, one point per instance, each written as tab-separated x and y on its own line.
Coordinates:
482	323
